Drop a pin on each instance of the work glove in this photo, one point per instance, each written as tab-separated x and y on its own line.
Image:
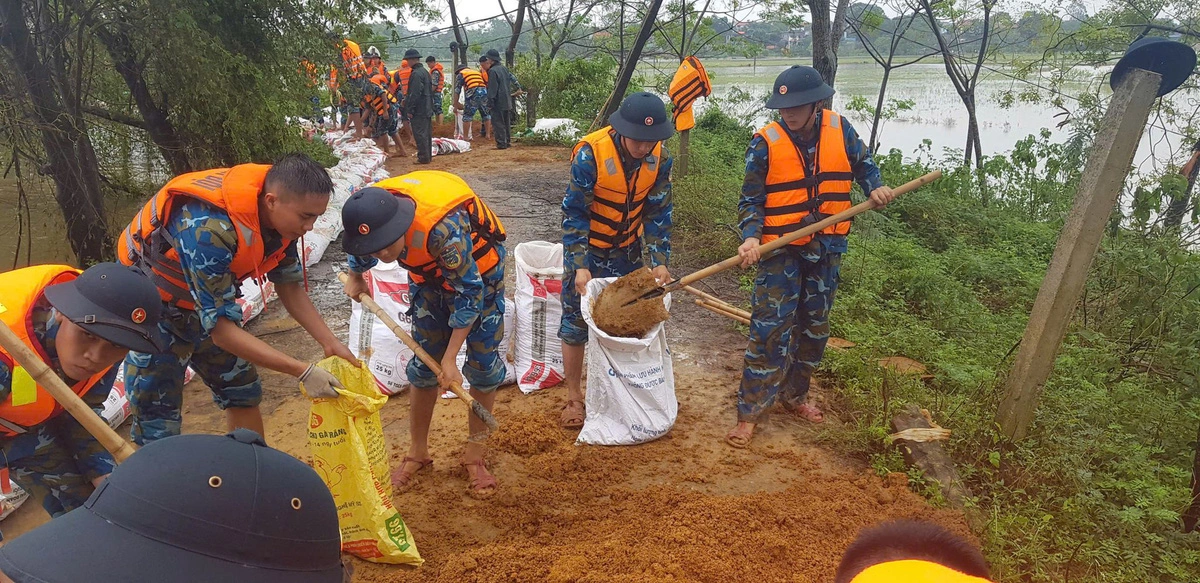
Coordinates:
318	383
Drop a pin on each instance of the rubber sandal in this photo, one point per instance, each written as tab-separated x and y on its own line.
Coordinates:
402	480
477	488
574	421
738	440
810	413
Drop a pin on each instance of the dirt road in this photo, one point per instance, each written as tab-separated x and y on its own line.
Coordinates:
684	508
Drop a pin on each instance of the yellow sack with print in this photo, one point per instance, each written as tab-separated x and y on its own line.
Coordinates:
346	441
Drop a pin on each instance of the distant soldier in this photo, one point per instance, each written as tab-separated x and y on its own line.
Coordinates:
472	87
418	106
798	171
500	91
437	73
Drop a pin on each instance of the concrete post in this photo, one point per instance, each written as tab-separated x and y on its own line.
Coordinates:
1099	187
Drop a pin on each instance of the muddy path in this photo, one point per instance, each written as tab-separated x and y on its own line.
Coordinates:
684	508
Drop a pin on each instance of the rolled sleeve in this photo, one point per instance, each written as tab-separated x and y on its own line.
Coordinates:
450	242
861	163
289	270
359	264
658	213
206	241
576	206
753	202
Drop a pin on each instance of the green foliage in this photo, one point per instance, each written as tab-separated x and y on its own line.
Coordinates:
1095	492
574	88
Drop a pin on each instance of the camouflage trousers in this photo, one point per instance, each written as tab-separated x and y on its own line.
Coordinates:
430	310
154	382
602	263
788	330
48	465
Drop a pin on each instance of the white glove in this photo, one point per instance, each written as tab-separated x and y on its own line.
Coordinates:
318	383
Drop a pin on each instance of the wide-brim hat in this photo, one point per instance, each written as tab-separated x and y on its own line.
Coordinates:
642	117
113	302
1174	60
191	508
374	219
493	54
798	85
412	54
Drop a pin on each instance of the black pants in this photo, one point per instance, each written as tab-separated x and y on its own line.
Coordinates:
422	130
502	127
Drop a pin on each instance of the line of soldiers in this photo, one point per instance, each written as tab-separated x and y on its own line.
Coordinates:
205	232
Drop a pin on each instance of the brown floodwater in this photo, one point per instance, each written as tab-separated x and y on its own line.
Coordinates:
43	238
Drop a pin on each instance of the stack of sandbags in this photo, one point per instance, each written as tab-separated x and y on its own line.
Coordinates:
361	163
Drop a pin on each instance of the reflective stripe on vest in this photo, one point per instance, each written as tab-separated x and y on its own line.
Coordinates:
29	404
352	59
146	242
792	195
617	202
437	194
473	79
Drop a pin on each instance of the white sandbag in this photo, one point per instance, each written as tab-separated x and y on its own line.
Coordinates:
450	146
538	315
253	297
630	382
12	500
371	340
563	127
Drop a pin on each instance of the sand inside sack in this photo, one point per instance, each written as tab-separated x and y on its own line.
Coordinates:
633	321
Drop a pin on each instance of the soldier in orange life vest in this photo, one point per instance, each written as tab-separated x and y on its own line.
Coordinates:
437	73
81	325
197	239
617	204
452	244
798	171
911	551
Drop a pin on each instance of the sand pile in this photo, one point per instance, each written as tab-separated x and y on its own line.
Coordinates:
633	321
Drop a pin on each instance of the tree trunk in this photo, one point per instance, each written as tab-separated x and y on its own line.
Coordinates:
157	122
511	52
827	30
626	73
72	161
1192	515
1173	218
873	144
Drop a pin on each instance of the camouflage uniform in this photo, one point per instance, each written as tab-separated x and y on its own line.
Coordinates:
57	460
477	301
435	77
578	254
794	290
205	240
473	99
352	92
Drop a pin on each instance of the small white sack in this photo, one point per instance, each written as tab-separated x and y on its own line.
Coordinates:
630	382
371	340
10	502
116	406
538	315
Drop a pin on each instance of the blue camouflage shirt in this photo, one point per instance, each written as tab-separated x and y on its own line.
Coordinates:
577	209
206	241
92	458
752	206
451	240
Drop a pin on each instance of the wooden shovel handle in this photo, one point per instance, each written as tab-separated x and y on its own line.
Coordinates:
787	239
408	341
67	399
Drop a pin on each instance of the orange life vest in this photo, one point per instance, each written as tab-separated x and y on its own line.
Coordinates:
376	69
147	243
352	59
381	103
690	83
441	77
333	79
915	571
29	404
436	195
791	195
473	79
403	73
617	202
394	84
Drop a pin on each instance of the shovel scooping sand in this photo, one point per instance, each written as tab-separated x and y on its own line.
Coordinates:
634	320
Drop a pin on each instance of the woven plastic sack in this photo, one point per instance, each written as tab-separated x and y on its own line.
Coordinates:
346	440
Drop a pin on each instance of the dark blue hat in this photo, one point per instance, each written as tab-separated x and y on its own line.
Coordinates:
642	117
375	218
116	303
192	508
483	58
1173	60
798	85
412	54
493	54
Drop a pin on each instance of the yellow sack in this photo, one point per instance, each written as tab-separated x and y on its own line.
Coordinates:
347	446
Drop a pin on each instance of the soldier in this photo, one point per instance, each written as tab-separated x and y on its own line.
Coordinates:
500	94
798	171
192	508
619	197
197	239
452	244
437	73
81	325
418	106
472	86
